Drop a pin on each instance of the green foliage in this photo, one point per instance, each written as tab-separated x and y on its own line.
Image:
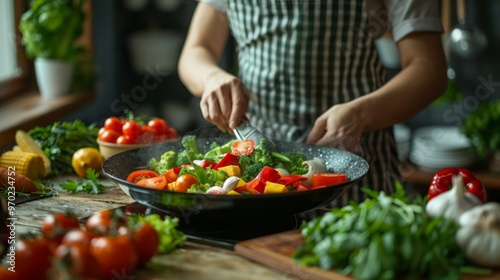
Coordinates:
60	140
50	29
482	127
383	237
90	184
453	94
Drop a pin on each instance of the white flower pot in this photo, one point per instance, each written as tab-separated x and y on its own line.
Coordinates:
53	77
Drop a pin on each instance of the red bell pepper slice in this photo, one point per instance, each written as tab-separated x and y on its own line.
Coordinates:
301	188
291	180
441	182
327	179
255	186
268	174
228	159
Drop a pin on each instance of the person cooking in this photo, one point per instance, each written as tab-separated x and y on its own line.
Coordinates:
309	72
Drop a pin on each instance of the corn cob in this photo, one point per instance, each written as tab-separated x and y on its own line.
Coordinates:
28	164
27	144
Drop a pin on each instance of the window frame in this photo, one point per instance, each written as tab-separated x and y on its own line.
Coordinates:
10	87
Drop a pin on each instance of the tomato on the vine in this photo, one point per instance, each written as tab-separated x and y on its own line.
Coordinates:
113	123
33	258
109	136
114	254
144	238
78	236
158	125
184	182
132	129
137	175
56	225
102	221
78	262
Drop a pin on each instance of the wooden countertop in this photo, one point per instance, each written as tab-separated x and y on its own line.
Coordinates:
193	261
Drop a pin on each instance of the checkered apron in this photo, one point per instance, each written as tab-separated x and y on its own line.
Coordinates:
297	59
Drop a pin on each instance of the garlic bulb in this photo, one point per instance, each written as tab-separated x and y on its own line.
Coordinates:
479	235
453	203
315	165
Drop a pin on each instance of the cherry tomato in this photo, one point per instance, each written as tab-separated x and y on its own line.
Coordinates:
125	139
145	240
184	182
157	183
33	258
147	135
132	129
137	175
326	179
78	237
242	147
158	125
55	226
113	123
102	221
78	261
109	136
171	133
100	132
114	254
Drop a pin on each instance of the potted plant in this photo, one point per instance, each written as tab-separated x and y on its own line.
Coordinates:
49	31
482	127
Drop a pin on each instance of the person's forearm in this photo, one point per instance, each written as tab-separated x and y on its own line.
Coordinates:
422	80
196	64
402	97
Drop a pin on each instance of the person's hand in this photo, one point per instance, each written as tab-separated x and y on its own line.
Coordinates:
224	101
339	127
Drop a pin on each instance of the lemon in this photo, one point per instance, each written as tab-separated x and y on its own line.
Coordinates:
86	158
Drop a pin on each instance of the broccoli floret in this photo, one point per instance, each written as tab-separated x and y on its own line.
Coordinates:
190	151
245	162
216	151
252	171
167	161
263	153
215	177
296	165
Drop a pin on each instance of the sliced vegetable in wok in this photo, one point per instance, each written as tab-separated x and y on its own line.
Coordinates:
237	167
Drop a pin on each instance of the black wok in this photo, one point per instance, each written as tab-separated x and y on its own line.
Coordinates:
191	207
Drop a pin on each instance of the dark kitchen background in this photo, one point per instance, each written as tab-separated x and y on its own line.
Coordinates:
136	45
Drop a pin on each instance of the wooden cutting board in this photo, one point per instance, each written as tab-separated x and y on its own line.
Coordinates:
276	251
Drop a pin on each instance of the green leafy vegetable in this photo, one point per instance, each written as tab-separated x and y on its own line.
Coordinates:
61	140
170	237
50	29
167	161
382	238
90	184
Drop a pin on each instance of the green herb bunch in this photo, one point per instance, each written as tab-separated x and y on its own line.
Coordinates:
482	128
61	140
382	238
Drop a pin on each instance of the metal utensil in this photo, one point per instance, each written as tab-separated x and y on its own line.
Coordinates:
466	40
247	131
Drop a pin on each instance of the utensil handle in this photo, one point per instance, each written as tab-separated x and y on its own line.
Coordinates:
461	11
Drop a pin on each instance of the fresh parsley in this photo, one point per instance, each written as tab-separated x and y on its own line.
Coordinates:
90	184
